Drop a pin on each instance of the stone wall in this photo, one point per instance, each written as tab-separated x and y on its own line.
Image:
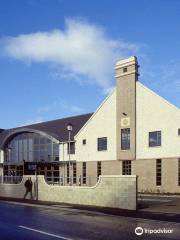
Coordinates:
110	191
17	190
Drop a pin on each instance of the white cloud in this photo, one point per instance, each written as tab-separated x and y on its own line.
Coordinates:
82	52
60	105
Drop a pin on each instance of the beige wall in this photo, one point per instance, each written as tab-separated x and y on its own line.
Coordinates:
1	156
146	172
110	191
156	114
101	124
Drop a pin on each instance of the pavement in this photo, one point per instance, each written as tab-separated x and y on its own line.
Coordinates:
154	207
167	204
27	220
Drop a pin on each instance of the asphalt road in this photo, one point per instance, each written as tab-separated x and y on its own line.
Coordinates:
19	221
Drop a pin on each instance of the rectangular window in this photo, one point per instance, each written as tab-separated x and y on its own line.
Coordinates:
98	169
84	141
179	132
102	144
126	167
74	173
124	69
68	179
155	139
125	139
158	171
72	148
179	172
84	172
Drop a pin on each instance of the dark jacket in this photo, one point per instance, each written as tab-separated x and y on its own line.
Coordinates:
28	185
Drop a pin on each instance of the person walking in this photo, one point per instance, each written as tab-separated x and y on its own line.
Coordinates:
28	185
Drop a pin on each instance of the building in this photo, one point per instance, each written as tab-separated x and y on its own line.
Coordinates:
134	131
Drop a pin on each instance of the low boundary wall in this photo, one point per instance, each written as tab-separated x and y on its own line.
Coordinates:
110	191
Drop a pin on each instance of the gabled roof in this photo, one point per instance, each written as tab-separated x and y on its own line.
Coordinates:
56	128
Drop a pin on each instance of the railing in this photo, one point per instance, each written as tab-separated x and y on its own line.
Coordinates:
61	180
11	179
71	181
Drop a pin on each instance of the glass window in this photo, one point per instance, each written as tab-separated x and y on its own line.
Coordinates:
102	144
124	69
74	173
126	167
158	172
125	139
84	173
31	147
72	148
98	169
179	131
84	141
155	139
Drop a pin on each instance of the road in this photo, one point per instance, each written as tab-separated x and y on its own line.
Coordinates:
20	221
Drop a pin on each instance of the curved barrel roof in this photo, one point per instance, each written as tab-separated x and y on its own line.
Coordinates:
56	128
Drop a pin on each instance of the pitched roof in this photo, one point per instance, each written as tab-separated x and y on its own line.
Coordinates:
56	128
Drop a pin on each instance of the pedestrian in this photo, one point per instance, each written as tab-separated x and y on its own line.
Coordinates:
28	185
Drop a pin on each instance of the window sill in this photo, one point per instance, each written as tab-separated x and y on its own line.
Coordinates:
154	146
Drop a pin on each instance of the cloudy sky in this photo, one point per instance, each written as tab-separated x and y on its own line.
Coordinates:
57	57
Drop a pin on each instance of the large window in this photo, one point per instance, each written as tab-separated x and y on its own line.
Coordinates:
102	144
126	167
74	173
72	148
84	172
155	139
158	171
98	169
31	147
125	139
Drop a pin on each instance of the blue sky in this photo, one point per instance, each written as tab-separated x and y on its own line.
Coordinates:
57	56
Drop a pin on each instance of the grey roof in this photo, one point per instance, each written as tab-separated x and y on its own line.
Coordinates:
56	128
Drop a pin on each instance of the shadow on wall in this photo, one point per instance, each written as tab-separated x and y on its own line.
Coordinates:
114	191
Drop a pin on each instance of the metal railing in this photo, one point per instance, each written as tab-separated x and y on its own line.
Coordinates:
51	180
11	179
71	181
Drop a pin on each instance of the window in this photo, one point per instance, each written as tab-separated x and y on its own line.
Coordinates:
74	173
31	147
72	148
84	173
126	167
125	139
84	141
102	144
124	69
158	172
179	172
179	132
98	169
68	176
155	139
